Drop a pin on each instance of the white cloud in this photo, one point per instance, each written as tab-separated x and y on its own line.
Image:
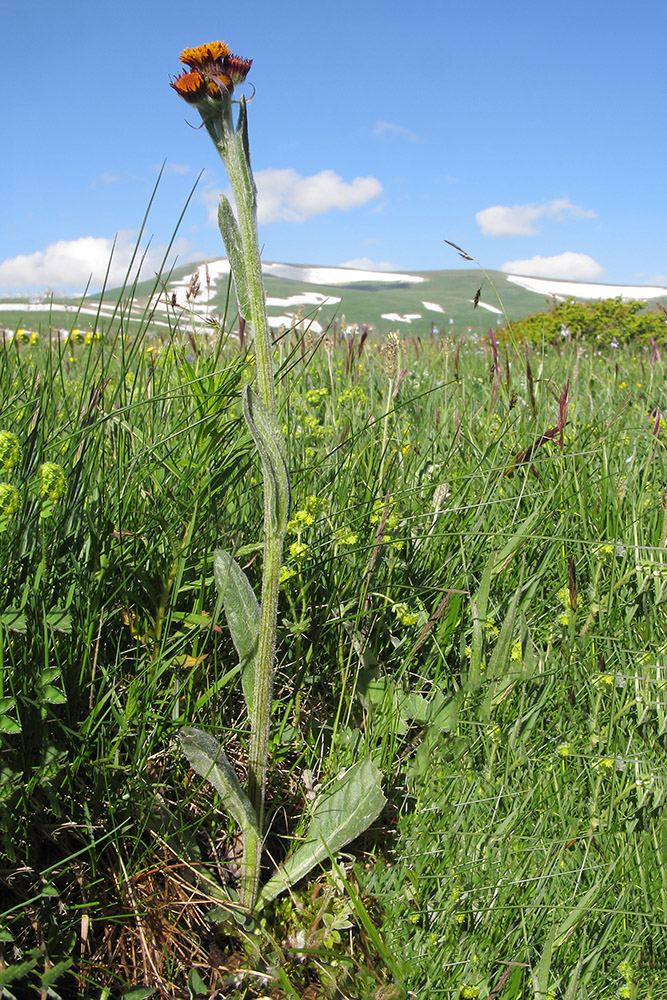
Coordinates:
69	264
575	266
366	264
286	196
392	129
520	220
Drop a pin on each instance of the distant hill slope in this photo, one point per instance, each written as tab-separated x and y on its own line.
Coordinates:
413	302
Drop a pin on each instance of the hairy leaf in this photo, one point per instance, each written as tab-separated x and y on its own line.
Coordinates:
344	811
270	442
208	759
231	236
242	613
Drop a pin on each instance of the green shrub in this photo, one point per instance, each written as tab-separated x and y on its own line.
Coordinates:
605	323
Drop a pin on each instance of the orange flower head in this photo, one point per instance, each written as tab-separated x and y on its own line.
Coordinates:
191	86
209	78
205	57
219	86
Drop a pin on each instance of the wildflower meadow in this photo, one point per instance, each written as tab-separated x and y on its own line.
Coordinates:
331	665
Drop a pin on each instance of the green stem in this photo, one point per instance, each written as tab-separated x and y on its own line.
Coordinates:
234	152
245	195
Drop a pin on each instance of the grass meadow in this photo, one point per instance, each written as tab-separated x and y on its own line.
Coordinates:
473	595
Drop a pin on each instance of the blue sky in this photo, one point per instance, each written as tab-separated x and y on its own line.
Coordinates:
531	134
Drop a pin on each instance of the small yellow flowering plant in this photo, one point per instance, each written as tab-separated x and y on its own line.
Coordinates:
207	83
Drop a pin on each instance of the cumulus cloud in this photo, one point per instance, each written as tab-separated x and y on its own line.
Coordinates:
520	220
69	264
287	196
395	131
573	266
366	264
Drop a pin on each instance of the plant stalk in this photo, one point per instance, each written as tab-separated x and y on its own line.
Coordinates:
233	149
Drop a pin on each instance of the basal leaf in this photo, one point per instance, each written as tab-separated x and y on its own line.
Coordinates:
208	759
343	812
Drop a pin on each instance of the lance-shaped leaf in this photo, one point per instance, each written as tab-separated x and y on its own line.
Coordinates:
244	148
242	614
270	442
229	230
208	759
342	813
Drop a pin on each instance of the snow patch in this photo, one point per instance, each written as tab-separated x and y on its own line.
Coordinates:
293	321
304	299
334	275
397	318
485	305
586	289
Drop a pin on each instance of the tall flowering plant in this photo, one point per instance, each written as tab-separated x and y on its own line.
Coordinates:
207	82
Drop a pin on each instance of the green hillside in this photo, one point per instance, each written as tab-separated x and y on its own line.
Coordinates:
442	300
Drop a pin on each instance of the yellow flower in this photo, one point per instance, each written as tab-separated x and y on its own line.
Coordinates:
286	573
10	449
9	499
51	481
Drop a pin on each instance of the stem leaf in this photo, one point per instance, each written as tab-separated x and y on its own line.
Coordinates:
268	437
243	616
229	230
208	759
342	813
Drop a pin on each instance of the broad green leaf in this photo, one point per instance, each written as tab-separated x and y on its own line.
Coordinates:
231	236
138	993
10	973
242	613
6	705
14	619
9	725
52	975
52	696
49	675
196	985
208	759
268	437
343	812
59	619
443	712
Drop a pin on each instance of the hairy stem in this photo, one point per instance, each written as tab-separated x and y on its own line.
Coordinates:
234	152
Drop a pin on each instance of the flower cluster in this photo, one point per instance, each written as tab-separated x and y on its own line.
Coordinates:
52	481
10	450
212	73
